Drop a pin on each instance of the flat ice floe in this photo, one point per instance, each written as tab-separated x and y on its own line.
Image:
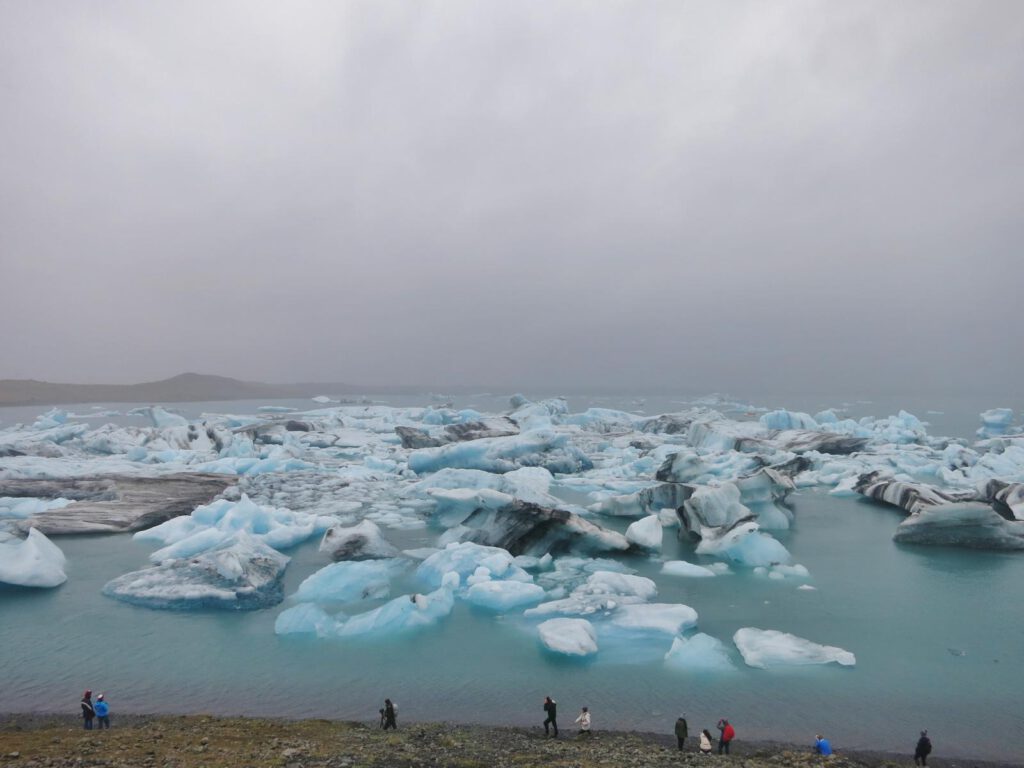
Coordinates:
699	653
765	648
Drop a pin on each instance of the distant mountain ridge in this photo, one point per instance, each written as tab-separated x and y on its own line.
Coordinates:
185	387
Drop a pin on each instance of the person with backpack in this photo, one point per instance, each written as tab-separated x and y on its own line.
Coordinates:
550	712
682	731
88	712
102	712
390	712
726	733
924	748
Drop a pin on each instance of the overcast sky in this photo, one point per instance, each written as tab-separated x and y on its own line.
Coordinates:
636	194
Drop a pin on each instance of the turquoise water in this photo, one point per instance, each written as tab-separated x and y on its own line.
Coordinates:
900	610
938	634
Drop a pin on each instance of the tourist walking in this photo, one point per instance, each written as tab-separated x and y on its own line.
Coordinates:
682	731
102	712
550	712
726	733
705	742
822	746
390	712
88	712
584	721
924	748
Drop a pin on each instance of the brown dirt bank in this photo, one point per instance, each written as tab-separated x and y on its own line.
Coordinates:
197	740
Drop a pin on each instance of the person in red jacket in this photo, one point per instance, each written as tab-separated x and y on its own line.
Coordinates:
726	733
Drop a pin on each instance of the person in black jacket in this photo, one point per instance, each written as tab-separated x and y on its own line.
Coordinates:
389	715
682	731
924	748
550	709
88	712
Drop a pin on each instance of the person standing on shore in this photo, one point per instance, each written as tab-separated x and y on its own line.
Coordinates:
726	733
584	721
102	712
822	746
550	711
705	742
390	713
682	731
88	712
924	748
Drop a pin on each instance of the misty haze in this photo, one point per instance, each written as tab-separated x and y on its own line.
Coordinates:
497	359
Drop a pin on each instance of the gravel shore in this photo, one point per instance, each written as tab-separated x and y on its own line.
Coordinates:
192	741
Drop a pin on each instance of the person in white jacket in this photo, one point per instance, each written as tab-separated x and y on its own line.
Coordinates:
584	721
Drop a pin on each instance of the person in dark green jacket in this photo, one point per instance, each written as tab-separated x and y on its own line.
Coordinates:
682	731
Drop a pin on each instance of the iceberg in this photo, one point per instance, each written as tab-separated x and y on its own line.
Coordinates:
403	614
347	582
502	596
683	568
570	637
972	525
655	617
765	648
304	619
463	559
645	533
700	653
995	422
358	542
783	419
34	561
537	448
241	573
745	544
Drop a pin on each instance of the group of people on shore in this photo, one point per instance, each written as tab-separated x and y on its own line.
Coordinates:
97	710
726	733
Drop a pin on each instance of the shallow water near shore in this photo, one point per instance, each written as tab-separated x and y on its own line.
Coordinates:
938	634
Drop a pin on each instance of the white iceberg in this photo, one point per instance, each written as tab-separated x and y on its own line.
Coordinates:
502	596
683	568
358	542
655	617
646	532
34	561
699	653
765	648
571	637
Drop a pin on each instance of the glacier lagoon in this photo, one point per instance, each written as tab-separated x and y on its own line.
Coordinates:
936	632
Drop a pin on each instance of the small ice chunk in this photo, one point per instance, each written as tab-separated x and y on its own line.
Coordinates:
571	637
34	561
655	617
765	648
699	653
504	595
683	568
303	619
358	542
348	581
646	532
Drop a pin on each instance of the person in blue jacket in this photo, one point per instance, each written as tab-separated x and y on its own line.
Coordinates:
822	745
102	712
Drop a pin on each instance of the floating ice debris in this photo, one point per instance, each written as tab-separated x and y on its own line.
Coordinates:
240	573
33	561
683	568
358	542
655	617
770	648
571	637
699	653
504	595
646	532
347	582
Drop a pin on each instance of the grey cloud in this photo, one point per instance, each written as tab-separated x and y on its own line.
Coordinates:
551	194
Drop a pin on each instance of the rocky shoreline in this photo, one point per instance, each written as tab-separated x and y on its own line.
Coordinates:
142	741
